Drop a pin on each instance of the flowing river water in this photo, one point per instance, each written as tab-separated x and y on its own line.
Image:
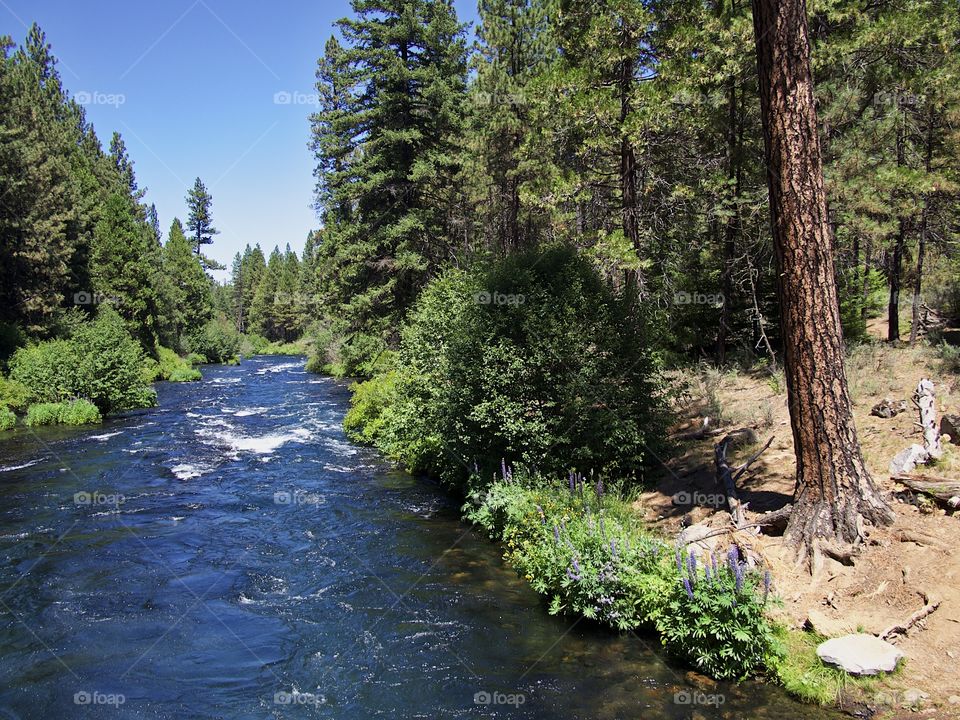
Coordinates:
230	554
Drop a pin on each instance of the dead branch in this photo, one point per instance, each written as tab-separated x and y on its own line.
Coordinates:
901	629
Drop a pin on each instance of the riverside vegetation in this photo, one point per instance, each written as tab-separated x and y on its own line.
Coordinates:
519	238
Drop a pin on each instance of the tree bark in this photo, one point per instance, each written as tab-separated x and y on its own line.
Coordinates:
896	260
834	492
921	243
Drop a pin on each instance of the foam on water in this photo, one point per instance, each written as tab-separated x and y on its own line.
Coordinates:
106	436
8	468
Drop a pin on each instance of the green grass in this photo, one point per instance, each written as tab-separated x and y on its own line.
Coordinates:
76	412
802	674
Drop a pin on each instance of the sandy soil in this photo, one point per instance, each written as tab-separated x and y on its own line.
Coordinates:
896	568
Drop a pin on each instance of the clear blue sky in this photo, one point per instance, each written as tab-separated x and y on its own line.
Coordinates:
198	81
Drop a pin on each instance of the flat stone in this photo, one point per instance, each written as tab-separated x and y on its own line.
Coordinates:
888	408
860	654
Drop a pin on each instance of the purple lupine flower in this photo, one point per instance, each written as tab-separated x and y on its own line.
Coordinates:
571	482
599	489
766	584
679	562
572	576
738	573
692	567
706	572
613	548
686	586
713	562
733	558
543	515
556	534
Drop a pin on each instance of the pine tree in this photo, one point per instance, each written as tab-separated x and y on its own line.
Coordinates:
200	221
393	114
263	319
191	285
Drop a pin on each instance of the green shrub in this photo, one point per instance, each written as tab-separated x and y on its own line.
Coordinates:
7	418
169	366
218	341
109	365
100	363
77	412
47	370
715	616
364	421
14	395
535	360
195	359
252	344
949	357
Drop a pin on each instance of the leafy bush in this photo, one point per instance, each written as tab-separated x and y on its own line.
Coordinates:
252	344
47	370
100	363
195	359
13	394
715	616
535	360
364	421
7	418
169	366
77	412
109	365
949	357
218	341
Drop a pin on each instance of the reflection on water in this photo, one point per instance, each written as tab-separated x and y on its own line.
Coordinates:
231	555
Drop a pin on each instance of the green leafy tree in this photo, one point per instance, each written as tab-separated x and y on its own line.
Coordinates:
191	286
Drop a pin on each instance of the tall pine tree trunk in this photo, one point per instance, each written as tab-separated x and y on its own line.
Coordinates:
921	242
895	271
834	493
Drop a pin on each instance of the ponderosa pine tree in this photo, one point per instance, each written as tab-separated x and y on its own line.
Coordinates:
200	220
834	491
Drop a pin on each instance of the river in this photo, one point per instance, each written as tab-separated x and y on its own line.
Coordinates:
230	554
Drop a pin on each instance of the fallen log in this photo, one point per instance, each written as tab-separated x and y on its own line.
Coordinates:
943	489
902	628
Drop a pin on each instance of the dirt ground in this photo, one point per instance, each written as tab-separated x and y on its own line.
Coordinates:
897	567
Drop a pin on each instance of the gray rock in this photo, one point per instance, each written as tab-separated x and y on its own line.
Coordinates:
950	425
906	460
914	698
860	654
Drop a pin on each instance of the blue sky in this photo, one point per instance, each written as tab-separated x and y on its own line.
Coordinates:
192	85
